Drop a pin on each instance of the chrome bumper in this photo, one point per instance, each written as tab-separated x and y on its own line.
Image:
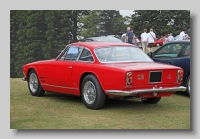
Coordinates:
24	79
135	92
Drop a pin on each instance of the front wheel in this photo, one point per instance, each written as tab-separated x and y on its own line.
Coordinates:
34	85
92	93
152	100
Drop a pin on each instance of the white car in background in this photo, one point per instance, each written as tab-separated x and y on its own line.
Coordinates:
177	37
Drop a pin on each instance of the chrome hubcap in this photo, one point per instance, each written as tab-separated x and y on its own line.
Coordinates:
33	82
89	92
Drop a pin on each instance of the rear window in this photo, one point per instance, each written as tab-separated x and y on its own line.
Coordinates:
121	54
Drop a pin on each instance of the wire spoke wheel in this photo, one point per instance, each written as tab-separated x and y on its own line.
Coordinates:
34	85
33	82
89	92
92	93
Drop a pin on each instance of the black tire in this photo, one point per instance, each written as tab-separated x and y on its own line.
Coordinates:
152	100
34	85
188	85
92	93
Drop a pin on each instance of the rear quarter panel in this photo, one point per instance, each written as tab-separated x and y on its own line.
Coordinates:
108	77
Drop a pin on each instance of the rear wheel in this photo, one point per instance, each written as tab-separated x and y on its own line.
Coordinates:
92	93
34	84
152	100
188	85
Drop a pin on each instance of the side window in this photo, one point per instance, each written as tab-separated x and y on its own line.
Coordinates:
167	51
86	56
73	53
187	51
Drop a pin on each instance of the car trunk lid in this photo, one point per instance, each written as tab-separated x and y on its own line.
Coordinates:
151	73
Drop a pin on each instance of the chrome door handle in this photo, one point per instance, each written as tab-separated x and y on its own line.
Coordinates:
70	67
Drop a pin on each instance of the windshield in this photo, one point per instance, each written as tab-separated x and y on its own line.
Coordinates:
121	54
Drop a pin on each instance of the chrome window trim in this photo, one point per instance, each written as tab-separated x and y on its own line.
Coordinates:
78	55
62	53
65	50
86	61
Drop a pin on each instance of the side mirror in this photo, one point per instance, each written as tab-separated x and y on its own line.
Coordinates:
150	54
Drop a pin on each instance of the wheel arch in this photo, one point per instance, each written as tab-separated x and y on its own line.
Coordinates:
31	68
82	78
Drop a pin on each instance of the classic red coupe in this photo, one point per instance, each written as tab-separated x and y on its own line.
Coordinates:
96	70
158	43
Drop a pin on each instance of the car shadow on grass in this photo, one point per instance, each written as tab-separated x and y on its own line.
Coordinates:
184	94
62	97
110	104
132	103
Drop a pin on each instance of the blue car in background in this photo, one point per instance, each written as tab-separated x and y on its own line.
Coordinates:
175	53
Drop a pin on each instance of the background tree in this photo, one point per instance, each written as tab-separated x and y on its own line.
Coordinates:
40	34
112	22
90	25
103	22
162	21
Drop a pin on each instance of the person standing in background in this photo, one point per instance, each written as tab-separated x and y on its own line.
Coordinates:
187	37
129	36
182	34
151	39
166	38
170	38
163	39
144	40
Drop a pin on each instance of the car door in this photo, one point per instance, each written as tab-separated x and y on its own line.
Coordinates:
64	66
170	54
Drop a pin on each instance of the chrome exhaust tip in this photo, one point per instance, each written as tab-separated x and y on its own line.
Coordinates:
143	98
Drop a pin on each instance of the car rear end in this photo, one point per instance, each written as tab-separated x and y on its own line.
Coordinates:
150	80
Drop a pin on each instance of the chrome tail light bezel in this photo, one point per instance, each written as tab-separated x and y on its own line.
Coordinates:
129	79
180	74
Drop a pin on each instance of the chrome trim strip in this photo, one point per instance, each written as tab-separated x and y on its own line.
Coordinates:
59	86
135	92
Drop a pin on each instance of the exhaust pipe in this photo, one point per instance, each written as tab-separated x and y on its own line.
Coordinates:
143	98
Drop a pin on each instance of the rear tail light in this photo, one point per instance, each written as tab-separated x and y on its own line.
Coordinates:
129	79
180	76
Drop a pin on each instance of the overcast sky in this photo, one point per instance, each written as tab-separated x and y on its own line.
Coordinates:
126	12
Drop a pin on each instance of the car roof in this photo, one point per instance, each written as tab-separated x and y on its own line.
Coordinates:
179	41
103	39
94	44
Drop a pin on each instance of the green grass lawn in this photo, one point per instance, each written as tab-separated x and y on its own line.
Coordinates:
153	49
59	111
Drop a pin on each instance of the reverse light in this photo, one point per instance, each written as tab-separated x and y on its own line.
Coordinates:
180	76
129	79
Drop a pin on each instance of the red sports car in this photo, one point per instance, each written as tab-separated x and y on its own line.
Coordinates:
96	70
158	43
